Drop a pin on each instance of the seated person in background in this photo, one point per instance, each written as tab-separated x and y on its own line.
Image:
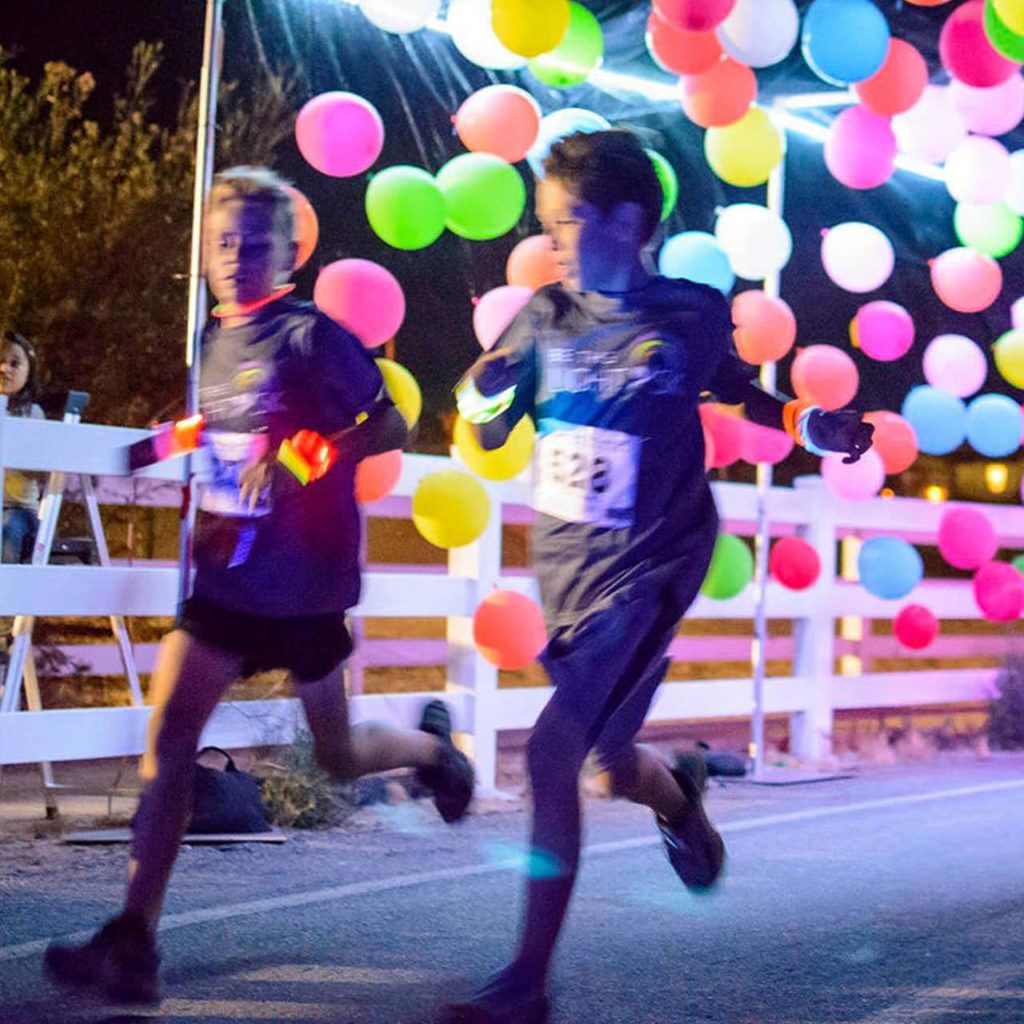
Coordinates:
18	375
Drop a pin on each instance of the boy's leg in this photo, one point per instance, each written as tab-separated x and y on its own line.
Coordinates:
349	751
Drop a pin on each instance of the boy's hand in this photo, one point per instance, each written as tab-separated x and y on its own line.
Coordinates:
488	389
840	431
254	480
494	373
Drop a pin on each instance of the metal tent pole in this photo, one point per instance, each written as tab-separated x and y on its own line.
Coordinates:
759	652
209	82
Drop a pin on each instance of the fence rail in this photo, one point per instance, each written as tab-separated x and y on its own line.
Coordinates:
481	708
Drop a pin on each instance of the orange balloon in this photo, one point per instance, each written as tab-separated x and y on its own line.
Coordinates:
678	51
307	228
719	96
532	263
824	375
765	327
508	629
898	84
894	440
499	119
377	475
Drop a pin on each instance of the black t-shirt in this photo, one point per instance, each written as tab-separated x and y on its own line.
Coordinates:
613	383
297	551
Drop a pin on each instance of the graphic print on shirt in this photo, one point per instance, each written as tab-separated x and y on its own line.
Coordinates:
236	436
587	473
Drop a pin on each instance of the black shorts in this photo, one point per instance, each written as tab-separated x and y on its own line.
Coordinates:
308	646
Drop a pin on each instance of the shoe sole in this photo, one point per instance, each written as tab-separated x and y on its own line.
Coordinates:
712	851
466	1013
112	989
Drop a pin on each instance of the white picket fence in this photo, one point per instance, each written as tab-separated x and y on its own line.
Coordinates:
481	709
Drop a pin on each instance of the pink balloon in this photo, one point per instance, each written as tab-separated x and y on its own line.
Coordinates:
726	434
694	15
885	330
339	133
824	375
955	364
992	111
915	626
860	148
967	538
496	310
978	171
533	263
763	444
965	280
965	51
855	481
999	591
363	297
932	128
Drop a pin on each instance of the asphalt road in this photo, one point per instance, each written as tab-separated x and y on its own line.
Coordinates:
894	896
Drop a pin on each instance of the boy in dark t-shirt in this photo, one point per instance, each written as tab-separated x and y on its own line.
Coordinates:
611	365
276	561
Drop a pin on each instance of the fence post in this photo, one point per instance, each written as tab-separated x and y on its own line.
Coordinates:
810	729
467	670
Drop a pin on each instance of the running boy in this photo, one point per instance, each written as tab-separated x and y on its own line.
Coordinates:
611	365
277	562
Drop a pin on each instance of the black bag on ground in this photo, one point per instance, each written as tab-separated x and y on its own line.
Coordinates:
227	801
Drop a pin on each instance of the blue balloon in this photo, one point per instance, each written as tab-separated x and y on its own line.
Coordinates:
939	419
845	41
557	125
994	425
889	567
697	256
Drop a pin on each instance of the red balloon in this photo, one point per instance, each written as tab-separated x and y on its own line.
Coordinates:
726	435
508	629
794	563
894	439
967	538
377	475
999	591
915	626
694	15
678	51
720	96
967	54
898	84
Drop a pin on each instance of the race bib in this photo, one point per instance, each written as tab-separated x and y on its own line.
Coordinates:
230	453
586	474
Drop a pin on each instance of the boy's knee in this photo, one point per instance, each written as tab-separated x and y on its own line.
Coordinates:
622	771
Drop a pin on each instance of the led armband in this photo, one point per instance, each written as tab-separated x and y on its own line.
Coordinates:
307	456
796	417
477	408
168	441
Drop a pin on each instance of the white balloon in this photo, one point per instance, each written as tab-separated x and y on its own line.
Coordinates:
932	128
1017	314
470	24
400	16
756	240
760	32
978	171
857	256
955	364
1014	197
992	111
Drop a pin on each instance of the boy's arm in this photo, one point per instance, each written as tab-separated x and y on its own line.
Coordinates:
814	429
494	395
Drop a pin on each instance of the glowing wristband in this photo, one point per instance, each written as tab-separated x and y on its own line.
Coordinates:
805	439
307	456
477	408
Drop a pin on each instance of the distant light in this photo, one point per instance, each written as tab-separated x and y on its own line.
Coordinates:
997	476
936	492
887	492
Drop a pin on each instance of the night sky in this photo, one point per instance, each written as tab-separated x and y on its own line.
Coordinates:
418	81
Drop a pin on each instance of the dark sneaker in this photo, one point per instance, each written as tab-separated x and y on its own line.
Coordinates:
451	779
506	998
120	959
695	850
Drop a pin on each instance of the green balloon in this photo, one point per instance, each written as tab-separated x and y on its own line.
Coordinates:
668	181
484	196
1018	563
1008	43
993	228
580	51
731	569
405	207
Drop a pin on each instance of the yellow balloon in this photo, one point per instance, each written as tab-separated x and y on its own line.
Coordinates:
501	463
745	152
1008	352
530	27
450	508
402	387
854	333
1011	14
